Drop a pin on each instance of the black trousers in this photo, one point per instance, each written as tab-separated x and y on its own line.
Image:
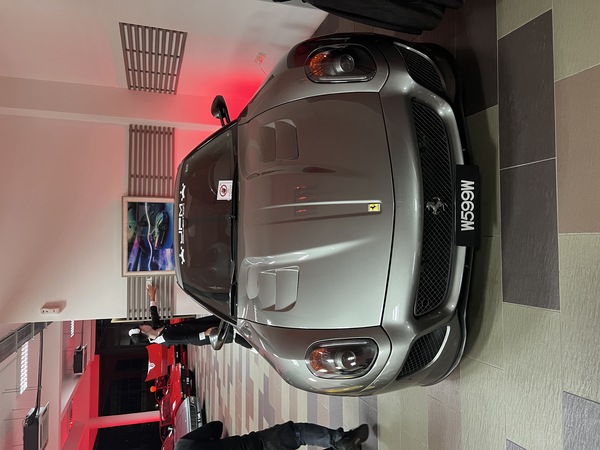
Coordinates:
187	332
290	436
285	436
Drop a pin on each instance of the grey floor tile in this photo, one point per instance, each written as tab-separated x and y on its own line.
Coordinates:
414	417
370	400
444	427
447	392
261	408
407	442
482	409
336	415
512	446
577	156
581	419
580	313
513	14
389	432
312	406
529	235
526	93
484	311
576	34
351	416
533	391
368	414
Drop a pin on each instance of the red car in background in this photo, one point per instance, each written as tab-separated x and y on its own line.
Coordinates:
168	441
173	382
181	385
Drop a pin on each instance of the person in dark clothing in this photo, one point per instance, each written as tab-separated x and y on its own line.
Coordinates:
194	332
286	436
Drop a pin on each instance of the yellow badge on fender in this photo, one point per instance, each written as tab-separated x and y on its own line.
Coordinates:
374	207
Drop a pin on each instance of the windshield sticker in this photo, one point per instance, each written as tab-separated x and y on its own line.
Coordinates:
181	221
225	188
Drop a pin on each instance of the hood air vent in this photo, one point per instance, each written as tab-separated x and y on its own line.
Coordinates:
279	141
152	57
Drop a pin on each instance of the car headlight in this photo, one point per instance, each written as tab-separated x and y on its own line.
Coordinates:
341	359
341	63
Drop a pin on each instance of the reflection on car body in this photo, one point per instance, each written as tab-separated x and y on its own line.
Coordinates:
343	255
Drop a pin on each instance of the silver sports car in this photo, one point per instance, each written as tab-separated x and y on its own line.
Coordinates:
333	223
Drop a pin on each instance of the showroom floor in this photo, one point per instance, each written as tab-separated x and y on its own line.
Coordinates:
531	375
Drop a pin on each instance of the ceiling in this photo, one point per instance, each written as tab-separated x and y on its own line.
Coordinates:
78	41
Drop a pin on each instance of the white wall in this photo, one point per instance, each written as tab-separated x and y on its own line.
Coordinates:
61	184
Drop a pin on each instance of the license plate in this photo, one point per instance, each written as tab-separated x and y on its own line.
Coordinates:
467	200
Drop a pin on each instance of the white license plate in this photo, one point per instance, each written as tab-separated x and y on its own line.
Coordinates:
467	200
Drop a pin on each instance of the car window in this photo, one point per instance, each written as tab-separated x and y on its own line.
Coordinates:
205	230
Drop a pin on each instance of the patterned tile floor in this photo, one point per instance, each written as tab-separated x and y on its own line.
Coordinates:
530	378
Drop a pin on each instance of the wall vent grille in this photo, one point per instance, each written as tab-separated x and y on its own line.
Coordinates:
152	57
150	161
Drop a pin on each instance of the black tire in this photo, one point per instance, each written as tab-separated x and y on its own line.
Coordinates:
448	3
407	16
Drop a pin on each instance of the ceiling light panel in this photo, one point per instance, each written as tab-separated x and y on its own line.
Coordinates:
152	57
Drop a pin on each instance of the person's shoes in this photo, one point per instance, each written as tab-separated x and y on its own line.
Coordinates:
352	439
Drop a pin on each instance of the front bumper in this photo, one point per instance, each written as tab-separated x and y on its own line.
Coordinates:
427	141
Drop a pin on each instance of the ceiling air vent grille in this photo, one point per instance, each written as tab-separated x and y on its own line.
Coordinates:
152	57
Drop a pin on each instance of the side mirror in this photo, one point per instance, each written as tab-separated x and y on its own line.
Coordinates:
219	110
217	337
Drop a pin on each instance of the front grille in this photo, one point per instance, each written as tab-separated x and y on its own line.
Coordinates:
437	175
193	410
422	352
421	69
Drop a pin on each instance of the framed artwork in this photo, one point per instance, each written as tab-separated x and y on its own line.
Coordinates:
148	236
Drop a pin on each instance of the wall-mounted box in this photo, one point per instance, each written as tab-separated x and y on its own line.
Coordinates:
52	307
79	359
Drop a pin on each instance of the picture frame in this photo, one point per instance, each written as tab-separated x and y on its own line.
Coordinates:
147	241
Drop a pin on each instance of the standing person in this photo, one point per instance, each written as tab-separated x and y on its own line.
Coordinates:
193	332
286	436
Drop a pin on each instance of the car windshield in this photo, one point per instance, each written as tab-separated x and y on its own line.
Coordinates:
206	231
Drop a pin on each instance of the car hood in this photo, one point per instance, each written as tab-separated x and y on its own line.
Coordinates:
315	213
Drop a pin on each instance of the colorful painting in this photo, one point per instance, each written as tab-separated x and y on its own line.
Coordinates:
148	236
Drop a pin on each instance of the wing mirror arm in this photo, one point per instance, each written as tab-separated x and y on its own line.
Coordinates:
218	336
219	110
